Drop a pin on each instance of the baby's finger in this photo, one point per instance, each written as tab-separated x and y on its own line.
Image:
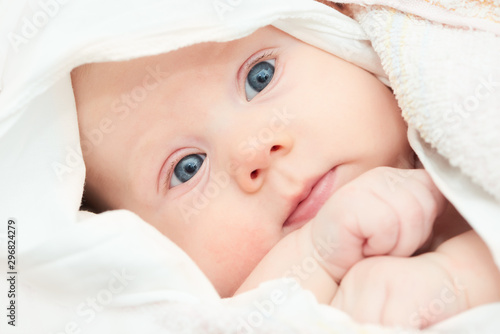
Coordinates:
440	201
414	200
382	290
418	203
358	221
378	225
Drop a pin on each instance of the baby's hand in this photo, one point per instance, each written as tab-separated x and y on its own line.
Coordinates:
385	211
407	292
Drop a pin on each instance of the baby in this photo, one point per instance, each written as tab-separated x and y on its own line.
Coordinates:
253	153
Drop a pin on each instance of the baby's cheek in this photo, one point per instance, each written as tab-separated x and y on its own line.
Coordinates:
227	236
229	257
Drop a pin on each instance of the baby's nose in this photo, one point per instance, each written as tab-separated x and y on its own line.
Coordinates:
253	158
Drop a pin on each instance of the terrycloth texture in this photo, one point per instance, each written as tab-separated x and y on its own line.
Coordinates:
112	272
461	119
476	14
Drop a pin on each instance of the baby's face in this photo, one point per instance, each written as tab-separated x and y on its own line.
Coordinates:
216	144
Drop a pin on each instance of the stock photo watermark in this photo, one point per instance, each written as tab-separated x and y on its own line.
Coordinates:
89	309
406	169
448	295
12	272
248	150
32	24
223	7
250	147
121	108
485	89
292	279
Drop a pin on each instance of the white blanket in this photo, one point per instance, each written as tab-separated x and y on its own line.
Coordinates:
84	273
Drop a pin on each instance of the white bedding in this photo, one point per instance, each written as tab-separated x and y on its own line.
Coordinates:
85	273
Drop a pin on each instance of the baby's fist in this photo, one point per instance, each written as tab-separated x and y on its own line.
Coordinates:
385	211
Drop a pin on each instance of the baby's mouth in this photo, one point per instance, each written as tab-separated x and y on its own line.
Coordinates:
313	197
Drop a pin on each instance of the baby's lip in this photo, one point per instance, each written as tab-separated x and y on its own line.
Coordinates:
307	203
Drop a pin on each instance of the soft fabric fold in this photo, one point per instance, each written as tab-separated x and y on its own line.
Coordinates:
113	272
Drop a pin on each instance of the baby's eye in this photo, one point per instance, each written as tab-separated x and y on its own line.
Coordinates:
186	168
258	78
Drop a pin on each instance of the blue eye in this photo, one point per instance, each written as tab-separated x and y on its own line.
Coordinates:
186	168
258	78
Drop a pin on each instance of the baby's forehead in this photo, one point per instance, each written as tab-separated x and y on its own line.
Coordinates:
186	58
107	88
